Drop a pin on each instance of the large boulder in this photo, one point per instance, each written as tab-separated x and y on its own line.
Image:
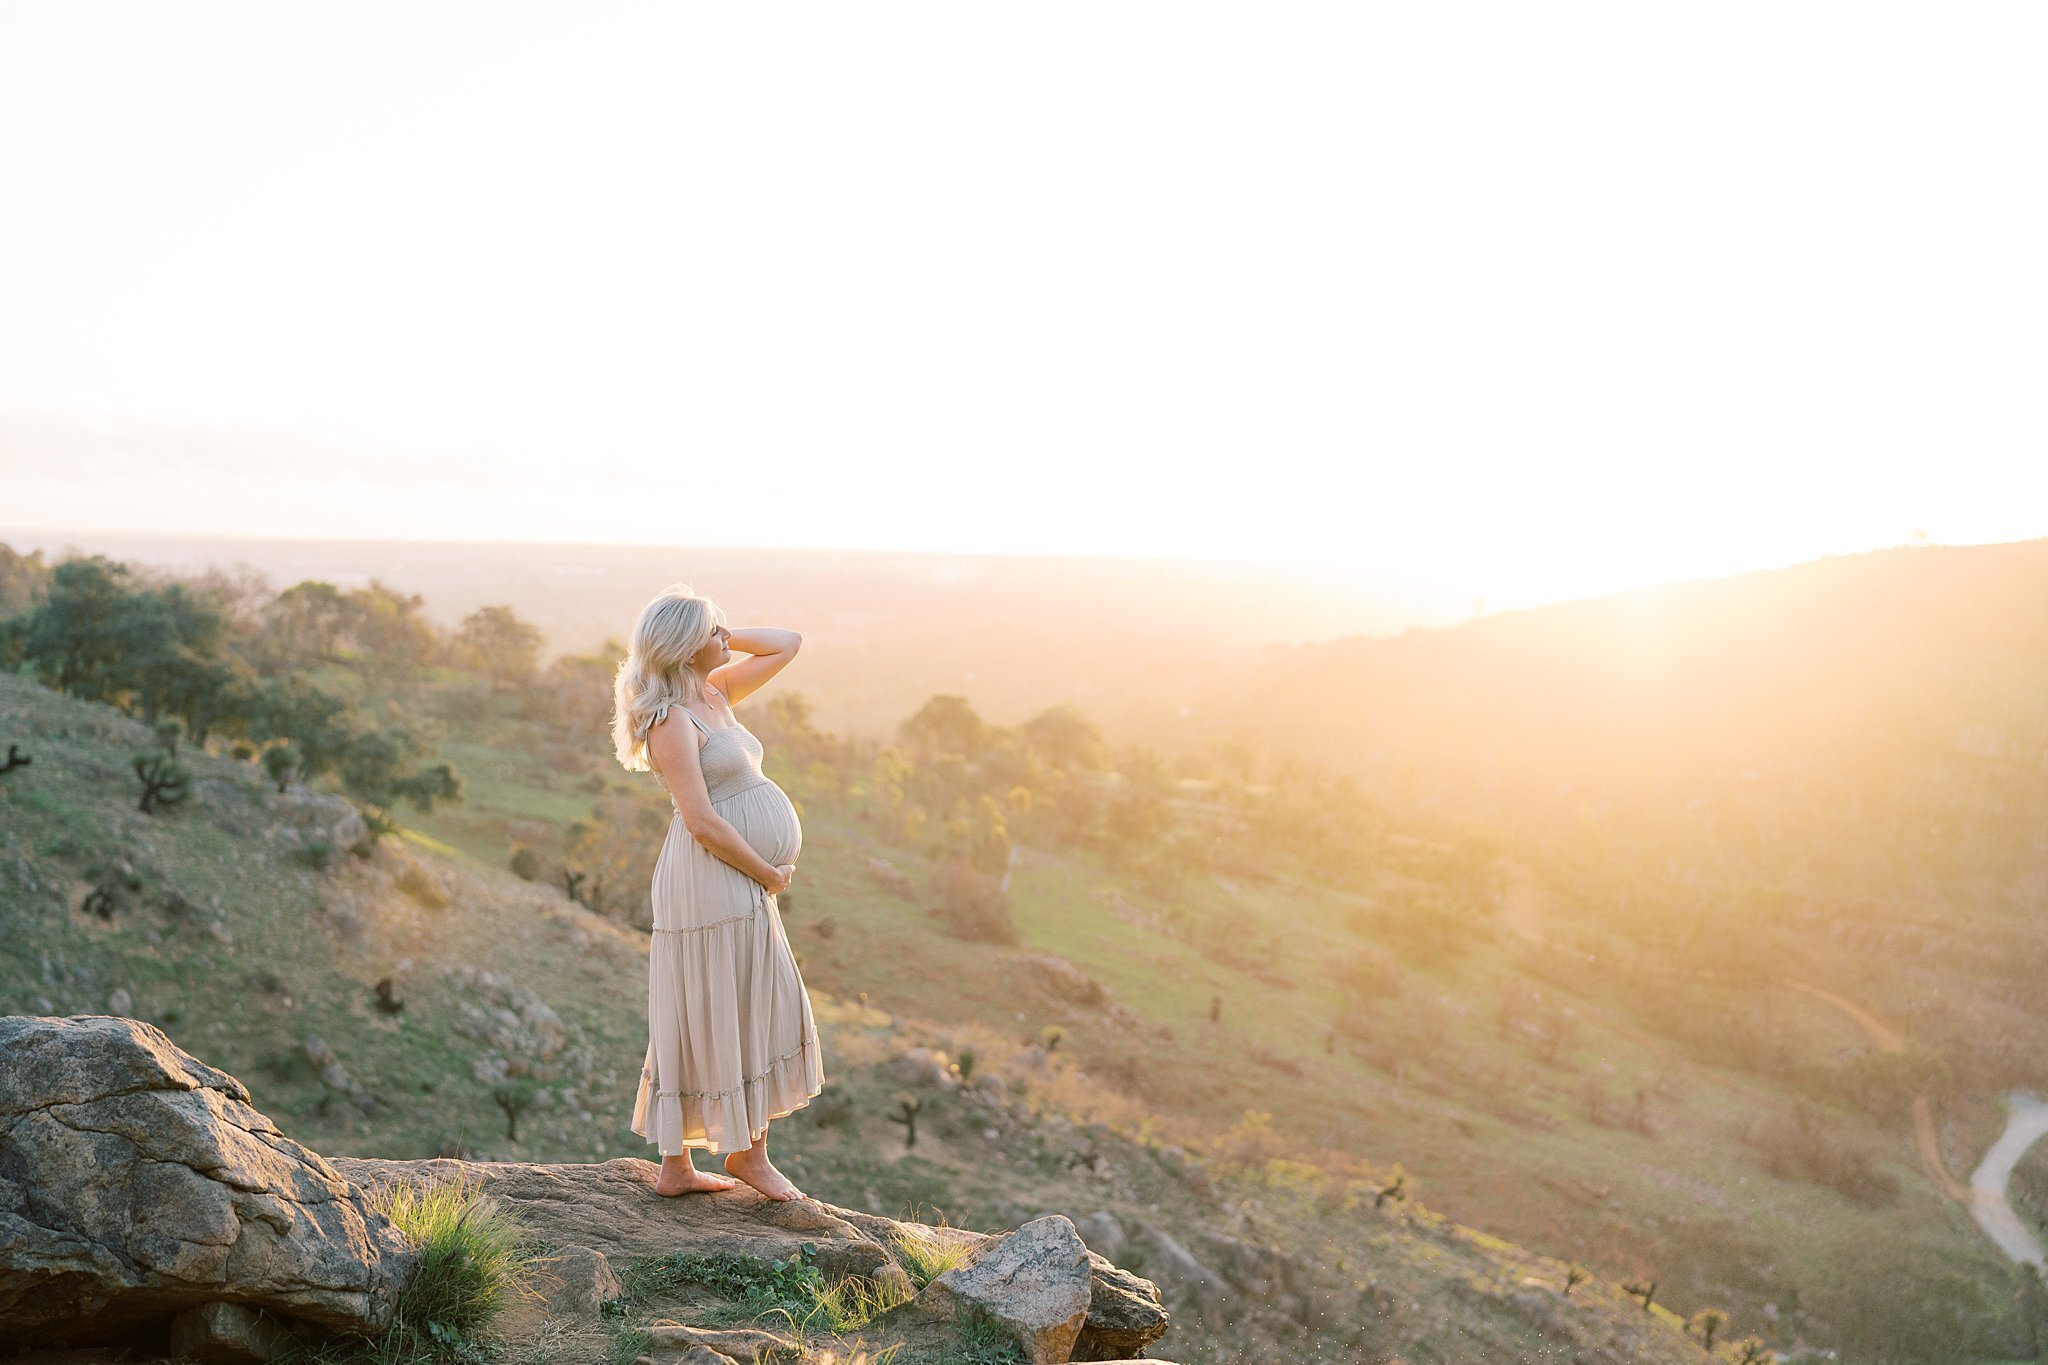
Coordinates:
137	1183
320	815
1033	1281
1124	1314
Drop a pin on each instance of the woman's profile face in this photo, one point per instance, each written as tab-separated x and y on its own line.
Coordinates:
715	651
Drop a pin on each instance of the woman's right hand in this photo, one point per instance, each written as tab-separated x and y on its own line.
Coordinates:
784	874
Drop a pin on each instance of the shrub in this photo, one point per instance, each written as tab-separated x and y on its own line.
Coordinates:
474	1258
164	783
1800	1146
1429	929
1370	976
281	764
415	882
974	906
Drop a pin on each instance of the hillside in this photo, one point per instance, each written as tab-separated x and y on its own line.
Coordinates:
225	923
1862	739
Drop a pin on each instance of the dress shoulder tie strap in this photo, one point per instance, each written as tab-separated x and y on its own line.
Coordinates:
661	714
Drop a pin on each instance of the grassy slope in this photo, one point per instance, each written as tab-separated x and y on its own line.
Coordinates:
1686	1207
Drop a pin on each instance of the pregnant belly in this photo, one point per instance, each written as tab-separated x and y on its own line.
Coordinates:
770	823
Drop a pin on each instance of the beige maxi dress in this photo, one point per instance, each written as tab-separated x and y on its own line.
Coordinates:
731	1041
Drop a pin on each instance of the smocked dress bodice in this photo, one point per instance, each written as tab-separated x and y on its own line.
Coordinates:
748	798
730	757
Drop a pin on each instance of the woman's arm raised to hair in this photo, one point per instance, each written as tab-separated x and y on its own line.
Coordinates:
769	649
673	746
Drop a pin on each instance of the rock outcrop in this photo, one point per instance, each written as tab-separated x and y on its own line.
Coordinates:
608	1211
1033	1281
145	1202
137	1183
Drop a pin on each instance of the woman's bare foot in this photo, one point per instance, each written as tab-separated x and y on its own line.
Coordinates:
679	1175
760	1172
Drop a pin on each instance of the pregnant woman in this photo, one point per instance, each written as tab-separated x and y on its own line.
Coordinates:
730	1039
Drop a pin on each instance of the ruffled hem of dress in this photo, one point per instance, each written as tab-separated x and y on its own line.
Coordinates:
790	1082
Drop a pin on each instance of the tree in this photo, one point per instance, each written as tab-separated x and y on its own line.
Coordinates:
70	636
374	770
945	724
506	648
784	723
1135	814
1065	738
166	640
164	783
281	761
614	849
316	723
307	621
24	581
212	693
393	639
575	691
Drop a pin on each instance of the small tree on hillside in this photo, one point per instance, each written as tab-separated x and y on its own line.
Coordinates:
395	642
374	769
612	853
24	581
945	724
1062	737
164	783
70	637
306	622
281	764
972	905
317	723
504	647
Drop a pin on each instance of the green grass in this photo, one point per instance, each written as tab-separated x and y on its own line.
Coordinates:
474	1259
750	1282
925	1257
754	1290
983	1340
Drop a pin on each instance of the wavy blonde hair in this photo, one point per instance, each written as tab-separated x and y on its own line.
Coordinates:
656	670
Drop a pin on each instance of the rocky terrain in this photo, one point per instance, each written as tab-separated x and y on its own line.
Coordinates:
145	1204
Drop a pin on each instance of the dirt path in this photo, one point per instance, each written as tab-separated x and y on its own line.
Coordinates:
1925	1138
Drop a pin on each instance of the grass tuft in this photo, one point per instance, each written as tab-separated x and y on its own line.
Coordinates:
982	1340
474	1258
849	1303
925	1257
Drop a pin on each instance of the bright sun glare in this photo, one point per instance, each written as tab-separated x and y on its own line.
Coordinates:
1519	301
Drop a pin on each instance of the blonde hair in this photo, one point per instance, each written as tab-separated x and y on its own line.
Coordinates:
656	670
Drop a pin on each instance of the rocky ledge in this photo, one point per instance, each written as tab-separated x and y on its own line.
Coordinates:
145	1203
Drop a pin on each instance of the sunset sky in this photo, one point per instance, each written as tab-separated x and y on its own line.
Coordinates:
1537	300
